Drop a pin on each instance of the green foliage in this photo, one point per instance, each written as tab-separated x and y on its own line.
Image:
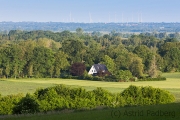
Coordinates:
109	62
7	103
123	75
48	54
61	62
135	95
103	97
136	67
62	97
27	104
146	55
75	49
152	79
172	59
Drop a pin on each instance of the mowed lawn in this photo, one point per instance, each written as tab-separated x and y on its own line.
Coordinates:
14	86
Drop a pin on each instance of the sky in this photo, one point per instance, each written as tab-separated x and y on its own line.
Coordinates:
88	11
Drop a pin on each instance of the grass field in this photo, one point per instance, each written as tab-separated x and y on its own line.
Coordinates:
154	112
158	112
14	86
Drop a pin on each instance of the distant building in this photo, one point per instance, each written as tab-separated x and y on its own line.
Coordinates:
97	68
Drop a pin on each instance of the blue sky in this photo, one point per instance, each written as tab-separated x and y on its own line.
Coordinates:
90	10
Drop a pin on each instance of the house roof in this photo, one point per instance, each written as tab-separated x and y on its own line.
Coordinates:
99	67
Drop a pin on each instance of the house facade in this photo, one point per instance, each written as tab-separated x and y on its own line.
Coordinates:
96	68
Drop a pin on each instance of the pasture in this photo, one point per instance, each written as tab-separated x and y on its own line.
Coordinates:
166	112
29	85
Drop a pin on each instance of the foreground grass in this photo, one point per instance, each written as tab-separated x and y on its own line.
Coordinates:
154	112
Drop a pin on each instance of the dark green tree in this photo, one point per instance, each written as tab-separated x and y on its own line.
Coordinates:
75	49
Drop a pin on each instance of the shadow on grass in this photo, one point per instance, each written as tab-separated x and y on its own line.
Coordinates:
158	112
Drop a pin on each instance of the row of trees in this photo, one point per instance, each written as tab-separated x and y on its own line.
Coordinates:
44	57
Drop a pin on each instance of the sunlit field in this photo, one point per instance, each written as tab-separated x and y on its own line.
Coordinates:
29	85
172	84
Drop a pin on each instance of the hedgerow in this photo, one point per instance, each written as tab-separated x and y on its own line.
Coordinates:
62	97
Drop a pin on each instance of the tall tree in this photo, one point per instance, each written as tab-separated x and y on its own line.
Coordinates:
61	62
136	67
75	49
109	62
43	59
153	72
145	53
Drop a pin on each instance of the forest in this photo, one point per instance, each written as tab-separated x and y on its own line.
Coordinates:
25	54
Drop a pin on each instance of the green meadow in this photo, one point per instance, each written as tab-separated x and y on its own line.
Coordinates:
29	85
158	112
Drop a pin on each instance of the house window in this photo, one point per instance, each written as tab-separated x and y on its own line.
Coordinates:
92	70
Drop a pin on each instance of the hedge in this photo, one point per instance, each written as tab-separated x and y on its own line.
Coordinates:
62	97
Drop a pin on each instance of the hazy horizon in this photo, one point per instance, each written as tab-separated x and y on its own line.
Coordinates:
81	11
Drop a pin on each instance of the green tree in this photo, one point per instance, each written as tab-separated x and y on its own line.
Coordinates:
172	59
136	67
123	75
61	62
43	59
75	49
7	70
153	72
109	62
145	53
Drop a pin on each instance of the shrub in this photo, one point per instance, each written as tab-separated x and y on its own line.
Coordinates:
27	104
152	79
103	97
123	75
8	103
63	97
146	96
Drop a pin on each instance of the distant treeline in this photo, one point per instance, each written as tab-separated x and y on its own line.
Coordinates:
88	27
49	54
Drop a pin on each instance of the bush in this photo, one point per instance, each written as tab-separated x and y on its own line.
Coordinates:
152	79
123	75
103	97
8	103
27	104
146	96
62	97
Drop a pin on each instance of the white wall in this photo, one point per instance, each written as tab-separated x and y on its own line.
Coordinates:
92	70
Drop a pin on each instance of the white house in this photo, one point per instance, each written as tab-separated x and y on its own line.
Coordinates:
97	67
